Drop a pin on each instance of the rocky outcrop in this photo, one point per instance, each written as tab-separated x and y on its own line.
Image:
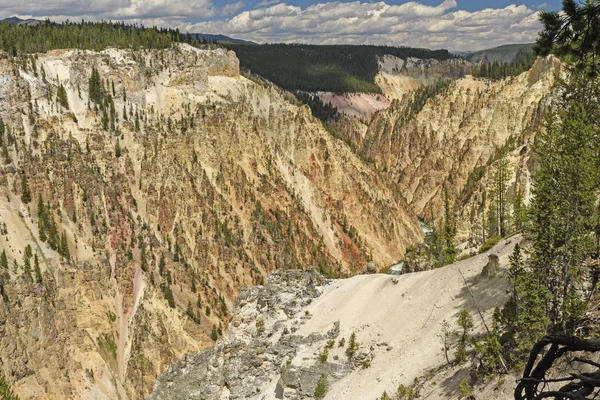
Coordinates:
260	344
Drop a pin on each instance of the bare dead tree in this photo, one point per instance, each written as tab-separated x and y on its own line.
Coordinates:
577	386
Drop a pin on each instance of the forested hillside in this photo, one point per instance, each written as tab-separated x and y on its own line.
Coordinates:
312	68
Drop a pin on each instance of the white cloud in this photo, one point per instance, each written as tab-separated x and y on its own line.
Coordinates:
409	24
110	9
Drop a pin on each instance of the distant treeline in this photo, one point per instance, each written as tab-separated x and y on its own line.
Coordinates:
497	70
18	39
311	68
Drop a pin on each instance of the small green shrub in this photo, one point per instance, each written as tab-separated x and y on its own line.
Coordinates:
489	243
324	355
322	387
466	391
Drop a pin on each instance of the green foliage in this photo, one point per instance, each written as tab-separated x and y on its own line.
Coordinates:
564	208
214	335
385	396
260	325
6	392
330	343
342	342
3	260
322	387
47	228
324	354
466	391
63	248
117	149
25	193
489	243
426	92
61	96
497	221
499	70
352	346
143	260
21	39
405	393
449	249
490	350
312	68
168	294
465	322
573	34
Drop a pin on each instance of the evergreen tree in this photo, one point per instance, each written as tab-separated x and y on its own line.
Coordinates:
498	190
143	261
95	87
38	271
563	207
449	232
573	33
117	149
3	260
6	392
161	265
27	265
64	247
465	322
25	193
61	96
322	387
214	335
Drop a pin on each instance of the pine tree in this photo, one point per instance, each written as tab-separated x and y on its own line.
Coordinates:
214	335
61	96
3	260
25	193
161	265
118	149
449	232
498	191
322	387
64	247
465	322
38	271
143	261
95	87
27	265
563	207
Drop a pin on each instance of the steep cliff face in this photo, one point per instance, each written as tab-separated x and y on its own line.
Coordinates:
455	133
163	188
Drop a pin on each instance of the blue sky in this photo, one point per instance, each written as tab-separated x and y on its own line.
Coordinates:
457	25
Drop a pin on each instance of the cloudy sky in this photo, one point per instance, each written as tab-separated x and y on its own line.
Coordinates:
453	24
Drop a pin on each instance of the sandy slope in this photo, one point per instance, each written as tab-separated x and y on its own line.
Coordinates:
408	317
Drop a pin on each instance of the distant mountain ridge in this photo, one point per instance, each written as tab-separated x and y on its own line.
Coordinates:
503	54
19	21
220	38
